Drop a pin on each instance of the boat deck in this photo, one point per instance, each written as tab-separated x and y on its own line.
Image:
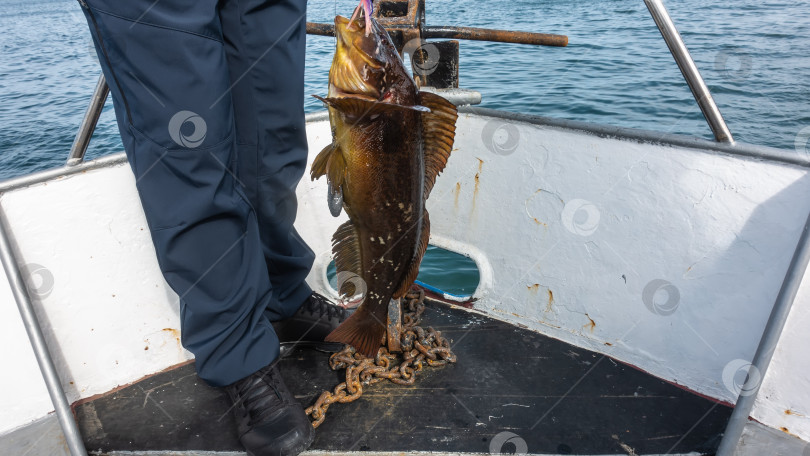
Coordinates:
558	398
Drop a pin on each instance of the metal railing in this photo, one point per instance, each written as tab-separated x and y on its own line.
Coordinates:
689	70
89	122
767	343
73	437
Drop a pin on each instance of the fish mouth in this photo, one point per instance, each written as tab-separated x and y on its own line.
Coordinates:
352	37
354	66
342	23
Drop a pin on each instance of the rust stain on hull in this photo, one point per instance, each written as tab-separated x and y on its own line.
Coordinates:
174	332
591	325
477	181
456	193
787	431
550	300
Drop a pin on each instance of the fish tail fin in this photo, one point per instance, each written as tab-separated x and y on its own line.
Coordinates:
363	330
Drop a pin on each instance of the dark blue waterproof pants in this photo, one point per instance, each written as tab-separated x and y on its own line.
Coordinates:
209	100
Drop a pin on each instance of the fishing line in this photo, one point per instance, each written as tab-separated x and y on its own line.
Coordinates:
336	13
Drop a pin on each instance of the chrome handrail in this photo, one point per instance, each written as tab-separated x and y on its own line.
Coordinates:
689	70
89	122
767	344
73	436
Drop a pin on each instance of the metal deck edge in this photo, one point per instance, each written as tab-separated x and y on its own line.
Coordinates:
39	437
342	453
649	137
27	180
759	439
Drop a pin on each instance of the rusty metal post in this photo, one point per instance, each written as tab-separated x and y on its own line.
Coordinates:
394	327
501	36
403	19
435	64
462	33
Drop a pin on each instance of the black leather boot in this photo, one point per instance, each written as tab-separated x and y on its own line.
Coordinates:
270	421
309	326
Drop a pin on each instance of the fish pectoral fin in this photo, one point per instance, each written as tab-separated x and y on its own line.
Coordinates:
335	176
319	164
331	163
346	250
356	107
438	132
412	270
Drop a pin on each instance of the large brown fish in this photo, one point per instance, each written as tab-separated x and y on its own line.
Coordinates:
390	141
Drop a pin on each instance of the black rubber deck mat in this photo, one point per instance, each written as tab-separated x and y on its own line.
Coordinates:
556	398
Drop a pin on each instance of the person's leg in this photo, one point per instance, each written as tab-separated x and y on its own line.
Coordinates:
265	44
168	74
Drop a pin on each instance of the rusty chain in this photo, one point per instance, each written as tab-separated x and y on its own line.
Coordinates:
419	347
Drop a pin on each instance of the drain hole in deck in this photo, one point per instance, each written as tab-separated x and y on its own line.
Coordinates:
442	271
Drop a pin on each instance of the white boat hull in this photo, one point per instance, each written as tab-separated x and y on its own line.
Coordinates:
663	255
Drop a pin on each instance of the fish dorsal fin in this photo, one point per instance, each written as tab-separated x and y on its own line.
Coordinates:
346	249
413	268
356	107
438	133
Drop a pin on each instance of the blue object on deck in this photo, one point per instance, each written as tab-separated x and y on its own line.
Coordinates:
440	291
